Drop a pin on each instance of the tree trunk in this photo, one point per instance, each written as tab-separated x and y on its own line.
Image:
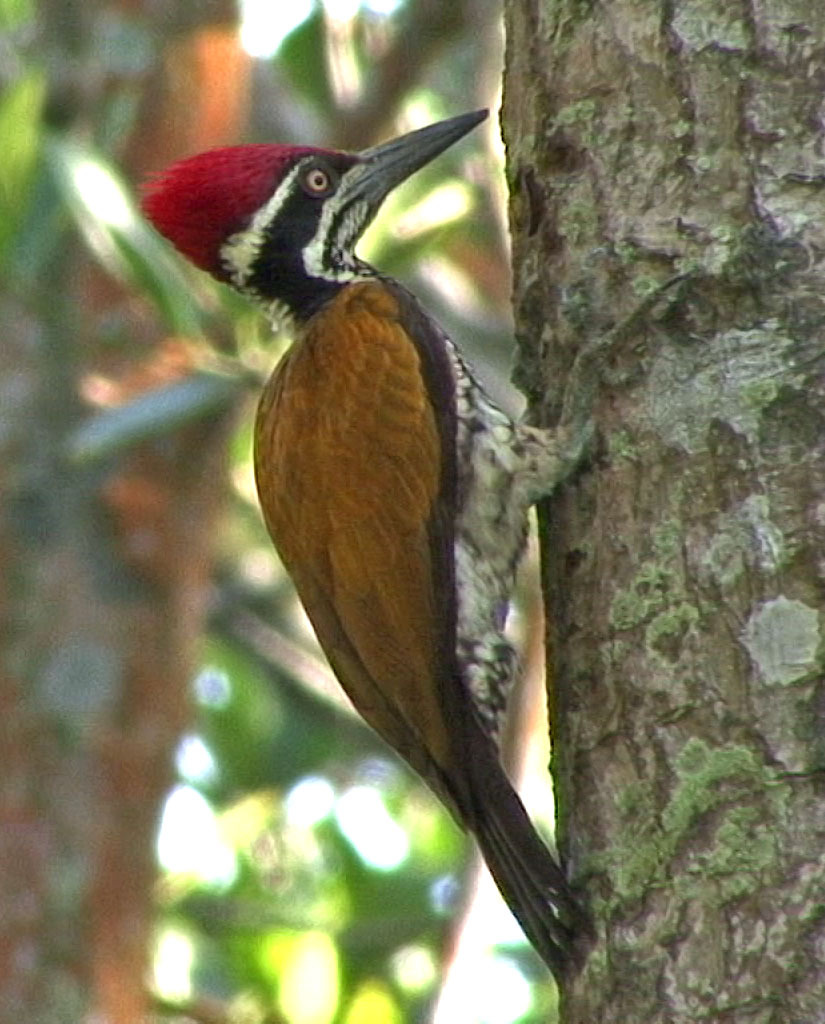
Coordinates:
684	566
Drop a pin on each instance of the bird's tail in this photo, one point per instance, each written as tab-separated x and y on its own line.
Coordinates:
530	880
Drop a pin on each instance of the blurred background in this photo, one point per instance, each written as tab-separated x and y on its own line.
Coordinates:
180	772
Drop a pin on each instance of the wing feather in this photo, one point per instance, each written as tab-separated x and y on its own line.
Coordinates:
350	465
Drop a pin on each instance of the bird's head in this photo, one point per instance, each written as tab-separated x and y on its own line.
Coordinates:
280	223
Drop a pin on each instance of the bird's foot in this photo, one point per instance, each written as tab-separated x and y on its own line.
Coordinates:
555	454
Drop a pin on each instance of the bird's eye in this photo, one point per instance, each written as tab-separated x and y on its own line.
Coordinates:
319	181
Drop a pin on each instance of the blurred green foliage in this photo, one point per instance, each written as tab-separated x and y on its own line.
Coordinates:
273	899
20	107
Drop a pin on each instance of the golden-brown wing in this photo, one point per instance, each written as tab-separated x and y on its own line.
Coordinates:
349	469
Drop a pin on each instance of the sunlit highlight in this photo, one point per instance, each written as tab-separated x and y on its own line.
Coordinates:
444	204
342	10
194	760
471	994
504	994
265	25
172	967
414	968
309	801
373	1004
306	964
103	194
189	840
487	990
382	7
378	839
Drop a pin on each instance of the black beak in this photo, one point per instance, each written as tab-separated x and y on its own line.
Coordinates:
390	163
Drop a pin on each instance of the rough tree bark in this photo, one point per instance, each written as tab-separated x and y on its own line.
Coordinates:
684	566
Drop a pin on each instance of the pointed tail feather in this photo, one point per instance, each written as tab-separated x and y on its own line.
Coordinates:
532	883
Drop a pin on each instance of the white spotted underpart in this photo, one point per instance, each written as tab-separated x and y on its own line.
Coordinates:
504	467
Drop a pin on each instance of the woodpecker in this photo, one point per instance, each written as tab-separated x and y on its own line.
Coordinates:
394	489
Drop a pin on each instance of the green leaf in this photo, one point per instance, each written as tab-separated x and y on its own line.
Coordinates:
299	58
153	415
14	13
105	212
20	108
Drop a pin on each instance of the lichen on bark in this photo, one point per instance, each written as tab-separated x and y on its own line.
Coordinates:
683	567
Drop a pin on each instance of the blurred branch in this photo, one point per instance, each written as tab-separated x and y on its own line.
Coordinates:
156	414
208	1011
198	1011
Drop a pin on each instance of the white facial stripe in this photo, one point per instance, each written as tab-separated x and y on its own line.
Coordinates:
326	257
240	250
330	257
